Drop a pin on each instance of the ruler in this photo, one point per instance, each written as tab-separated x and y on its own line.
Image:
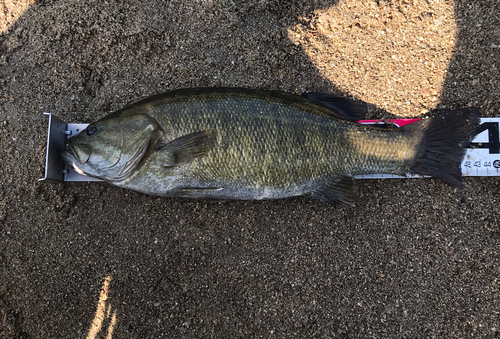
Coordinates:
482	157
483	154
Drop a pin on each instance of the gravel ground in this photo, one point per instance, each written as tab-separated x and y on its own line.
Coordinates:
416	258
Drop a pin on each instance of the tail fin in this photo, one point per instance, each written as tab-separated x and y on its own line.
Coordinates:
441	148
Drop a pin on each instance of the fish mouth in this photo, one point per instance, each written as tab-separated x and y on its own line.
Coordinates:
69	157
78	170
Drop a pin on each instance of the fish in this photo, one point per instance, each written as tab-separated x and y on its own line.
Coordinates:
251	144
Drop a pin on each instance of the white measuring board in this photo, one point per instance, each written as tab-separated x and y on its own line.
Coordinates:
483	154
482	157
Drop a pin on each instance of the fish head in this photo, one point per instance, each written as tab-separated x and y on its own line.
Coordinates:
111	148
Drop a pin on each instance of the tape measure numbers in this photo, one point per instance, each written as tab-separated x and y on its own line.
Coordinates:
483	153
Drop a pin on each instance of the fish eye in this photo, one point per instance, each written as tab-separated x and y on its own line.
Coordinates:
91	130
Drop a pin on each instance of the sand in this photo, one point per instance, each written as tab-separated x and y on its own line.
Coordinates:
416	258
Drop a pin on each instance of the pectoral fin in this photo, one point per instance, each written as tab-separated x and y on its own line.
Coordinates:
187	148
337	190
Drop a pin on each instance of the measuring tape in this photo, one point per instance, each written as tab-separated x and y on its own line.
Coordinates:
482	157
483	153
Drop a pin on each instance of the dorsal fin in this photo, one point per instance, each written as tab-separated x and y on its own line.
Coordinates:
342	107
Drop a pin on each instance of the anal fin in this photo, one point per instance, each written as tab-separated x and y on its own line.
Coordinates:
337	190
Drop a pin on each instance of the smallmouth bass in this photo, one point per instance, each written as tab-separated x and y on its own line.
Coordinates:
235	143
